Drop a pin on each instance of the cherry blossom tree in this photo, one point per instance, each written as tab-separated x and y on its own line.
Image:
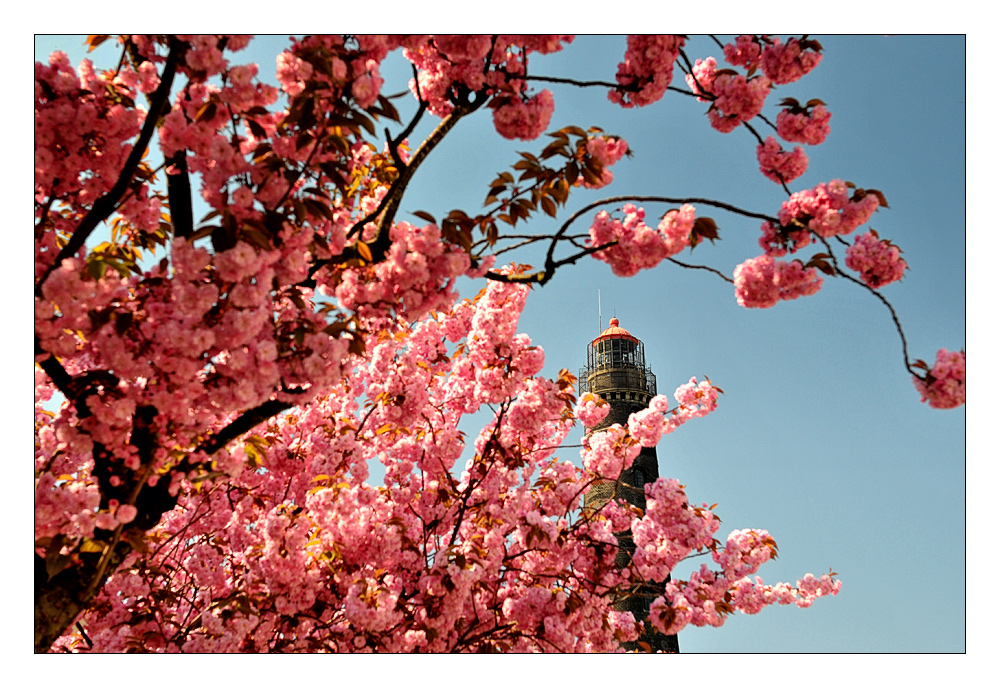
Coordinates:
210	395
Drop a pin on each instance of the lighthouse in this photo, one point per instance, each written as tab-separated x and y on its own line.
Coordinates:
617	372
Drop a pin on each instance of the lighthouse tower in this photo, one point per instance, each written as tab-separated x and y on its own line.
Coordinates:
616	371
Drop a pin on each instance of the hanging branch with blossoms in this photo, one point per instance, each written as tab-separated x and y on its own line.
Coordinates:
222	386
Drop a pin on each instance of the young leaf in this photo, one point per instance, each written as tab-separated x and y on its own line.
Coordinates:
364	251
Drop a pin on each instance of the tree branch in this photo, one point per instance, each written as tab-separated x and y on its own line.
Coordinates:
392	199
878	295
543	276
700	267
244	423
54	369
576	82
106	204
385	213
179	196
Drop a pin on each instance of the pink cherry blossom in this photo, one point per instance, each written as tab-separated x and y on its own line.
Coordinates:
943	386
786	62
607	150
636	246
745	52
591	409
734	98
647	69
827	210
779	165
878	260
450	66
761	282
810	126
524	119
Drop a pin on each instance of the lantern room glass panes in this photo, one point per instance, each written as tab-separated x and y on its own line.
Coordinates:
616	352
622	354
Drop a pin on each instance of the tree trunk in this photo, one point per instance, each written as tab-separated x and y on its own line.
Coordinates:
60	598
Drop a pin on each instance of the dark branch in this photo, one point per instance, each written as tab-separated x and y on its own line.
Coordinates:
54	369
106	204
179	195
395	195
543	276
385	213
412	125
577	82
878	295
244	423
700	267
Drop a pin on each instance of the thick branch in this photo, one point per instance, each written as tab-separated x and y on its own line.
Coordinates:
392	200
106	204
179	195
58	599
385	213
54	369
244	423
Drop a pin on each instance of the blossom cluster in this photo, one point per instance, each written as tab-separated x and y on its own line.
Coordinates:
810	125
943	386
825	210
609	452
878	260
744	52
351	72
647	69
735	98
763	281
632	245
526	119
786	62
706	599
83	129
669	530
590	409
779	165
607	150
708	596
451	66
417	276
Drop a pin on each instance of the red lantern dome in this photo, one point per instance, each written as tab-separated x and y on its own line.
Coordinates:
615	331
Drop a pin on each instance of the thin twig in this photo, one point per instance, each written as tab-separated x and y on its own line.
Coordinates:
700	267
878	295
576	82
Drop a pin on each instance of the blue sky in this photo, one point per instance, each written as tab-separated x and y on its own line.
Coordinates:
819	437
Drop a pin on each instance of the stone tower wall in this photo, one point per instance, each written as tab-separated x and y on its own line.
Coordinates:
627	389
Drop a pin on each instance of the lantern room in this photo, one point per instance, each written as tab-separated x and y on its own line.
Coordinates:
616	350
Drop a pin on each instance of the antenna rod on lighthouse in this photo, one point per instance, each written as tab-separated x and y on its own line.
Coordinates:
600	318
